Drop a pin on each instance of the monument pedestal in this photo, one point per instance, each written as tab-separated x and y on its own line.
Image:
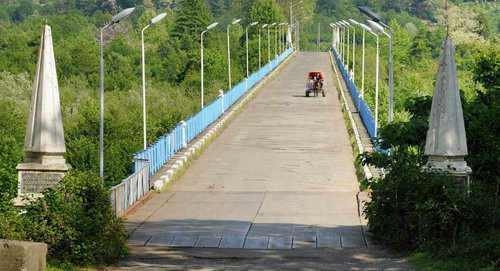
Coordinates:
37	174
456	166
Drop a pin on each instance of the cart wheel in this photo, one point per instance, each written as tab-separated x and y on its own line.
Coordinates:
307	93
324	93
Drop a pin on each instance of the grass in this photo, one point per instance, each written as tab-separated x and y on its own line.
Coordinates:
430	261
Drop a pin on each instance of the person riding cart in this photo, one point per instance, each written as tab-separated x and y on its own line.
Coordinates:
315	83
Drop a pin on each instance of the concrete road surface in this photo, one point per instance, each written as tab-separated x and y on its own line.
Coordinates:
279	178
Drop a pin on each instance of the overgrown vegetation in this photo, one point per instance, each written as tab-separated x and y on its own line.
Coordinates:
74	219
415	208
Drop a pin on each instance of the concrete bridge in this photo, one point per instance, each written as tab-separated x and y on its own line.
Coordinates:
279	178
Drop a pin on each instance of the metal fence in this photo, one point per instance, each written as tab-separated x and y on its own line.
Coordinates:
131	189
363	108
148	161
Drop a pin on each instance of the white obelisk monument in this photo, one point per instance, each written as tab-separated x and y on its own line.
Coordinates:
44	165
446	143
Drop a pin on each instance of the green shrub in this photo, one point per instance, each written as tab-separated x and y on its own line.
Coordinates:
75	220
411	207
415	208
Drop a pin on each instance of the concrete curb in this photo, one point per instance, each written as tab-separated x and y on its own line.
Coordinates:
366	169
196	145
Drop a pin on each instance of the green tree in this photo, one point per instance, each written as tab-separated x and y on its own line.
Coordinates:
217	7
266	12
484	25
23	11
487	68
191	20
401	44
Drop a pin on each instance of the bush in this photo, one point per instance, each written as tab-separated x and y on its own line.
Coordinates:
411	207
415	208
75	220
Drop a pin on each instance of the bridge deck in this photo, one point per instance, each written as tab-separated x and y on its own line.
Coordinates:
281	176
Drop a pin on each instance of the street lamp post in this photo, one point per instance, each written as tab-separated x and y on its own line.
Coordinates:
376	86
333	33
291	13
246	32
279	40
348	33
285	30
208	28
269	42
353	48
379	28
376	18
264	26
152	22
115	19
229	52
281	37
365	28
343	40
276	40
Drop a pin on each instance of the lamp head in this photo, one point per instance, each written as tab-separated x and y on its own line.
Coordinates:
254	23
212	25
365	27
346	23
158	18
237	21
264	26
122	15
368	12
273	24
354	22
376	26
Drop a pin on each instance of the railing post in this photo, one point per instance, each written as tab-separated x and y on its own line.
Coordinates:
184	124
221	95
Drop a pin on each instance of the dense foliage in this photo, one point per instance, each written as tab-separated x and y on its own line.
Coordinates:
416	208
74	219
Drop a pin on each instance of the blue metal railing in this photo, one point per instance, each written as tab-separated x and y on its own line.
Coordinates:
148	161
132	188
363	108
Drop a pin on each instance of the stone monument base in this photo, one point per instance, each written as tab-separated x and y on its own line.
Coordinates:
456	166
35	177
